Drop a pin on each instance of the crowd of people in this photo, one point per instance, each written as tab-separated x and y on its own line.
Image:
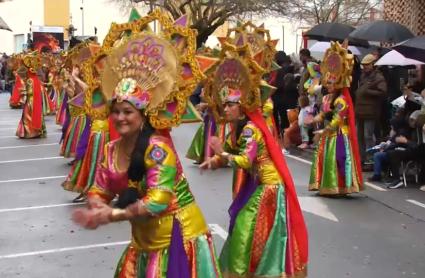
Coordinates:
389	117
117	102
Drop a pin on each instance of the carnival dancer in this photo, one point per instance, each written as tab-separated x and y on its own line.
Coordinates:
142	79
31	124
89	155
82	174
46	79
267	233
199	150
263	50
78	128
61	96
336	168
16	99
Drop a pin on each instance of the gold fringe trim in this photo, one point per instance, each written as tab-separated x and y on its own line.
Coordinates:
299	274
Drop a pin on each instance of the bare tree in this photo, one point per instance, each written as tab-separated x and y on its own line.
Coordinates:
207	15
352	12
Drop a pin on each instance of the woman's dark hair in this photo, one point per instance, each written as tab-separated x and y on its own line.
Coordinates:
137	169
241	124
279	57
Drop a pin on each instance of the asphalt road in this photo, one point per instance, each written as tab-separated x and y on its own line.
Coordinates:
377	234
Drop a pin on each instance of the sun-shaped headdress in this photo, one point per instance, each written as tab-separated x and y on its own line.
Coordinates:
14	61
263	48
30	62
155	72
237	78
337	66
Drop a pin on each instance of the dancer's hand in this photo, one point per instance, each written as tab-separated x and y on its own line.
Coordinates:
206	165
92	218
75	72
216	145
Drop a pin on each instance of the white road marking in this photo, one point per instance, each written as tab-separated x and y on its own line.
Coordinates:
65	249
298	158
371	185
30	159
218	230
317	206
28	146
33	179
7	128
376	187
14	136
416	203
40	207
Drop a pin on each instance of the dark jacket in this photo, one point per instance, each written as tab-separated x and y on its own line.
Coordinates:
371	93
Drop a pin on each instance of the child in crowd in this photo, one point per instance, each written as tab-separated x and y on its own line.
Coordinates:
291	136
305	120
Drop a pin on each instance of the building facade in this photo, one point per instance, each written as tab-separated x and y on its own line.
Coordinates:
410	13
24	15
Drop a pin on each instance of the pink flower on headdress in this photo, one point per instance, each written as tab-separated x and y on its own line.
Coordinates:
127	90
231	95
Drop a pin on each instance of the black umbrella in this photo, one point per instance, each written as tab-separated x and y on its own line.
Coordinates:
382	31
413	48
3	25
332	31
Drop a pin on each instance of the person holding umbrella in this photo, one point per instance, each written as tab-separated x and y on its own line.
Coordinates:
369	96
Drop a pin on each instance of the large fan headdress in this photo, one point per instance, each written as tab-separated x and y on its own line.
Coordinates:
337	66
237	78
155	72
262	47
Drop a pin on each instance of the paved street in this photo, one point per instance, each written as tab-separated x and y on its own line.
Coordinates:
377	234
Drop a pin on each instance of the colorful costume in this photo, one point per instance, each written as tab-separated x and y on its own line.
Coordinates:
31	124
267	233
77	130
199	149
16	98
81	177
156	75
176	219
61	99
336	165
78	123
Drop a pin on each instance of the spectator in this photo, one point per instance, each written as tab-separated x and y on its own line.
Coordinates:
369	96
285	96
291	136
195	98
305	120
305	57
355	77
400	132
397	156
